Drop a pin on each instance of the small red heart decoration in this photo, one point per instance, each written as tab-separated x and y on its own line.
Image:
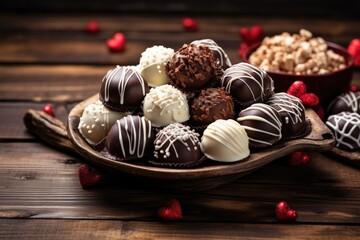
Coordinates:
172	211
297	89
88	176
298	159
92	27
284	213
354	51
116	43
189	24
48	109
243	47
251	35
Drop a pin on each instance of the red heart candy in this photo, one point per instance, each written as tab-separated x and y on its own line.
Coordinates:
298	159
297	89
92	27
252	35
244	35
243	47
354	51
117	43
172	211
88	177
310	99
189	24
284	213
48	109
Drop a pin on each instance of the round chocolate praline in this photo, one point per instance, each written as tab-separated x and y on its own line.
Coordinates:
123	88
292	113
192	67
177	145
262	124
346	102
131	137
247	84
346	128
210	105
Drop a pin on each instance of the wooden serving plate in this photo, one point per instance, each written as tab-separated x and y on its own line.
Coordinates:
209	174
351	157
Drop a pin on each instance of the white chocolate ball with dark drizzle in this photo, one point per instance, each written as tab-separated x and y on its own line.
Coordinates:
152	65
123	88
225	141
164	105
177	145
247	84
96	122
262	124
292	113
346	128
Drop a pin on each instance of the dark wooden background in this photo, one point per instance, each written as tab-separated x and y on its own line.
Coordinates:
46	57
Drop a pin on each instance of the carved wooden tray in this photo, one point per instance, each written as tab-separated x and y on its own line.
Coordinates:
209	174
351	157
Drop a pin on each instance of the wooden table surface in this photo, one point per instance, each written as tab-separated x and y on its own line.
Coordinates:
48	58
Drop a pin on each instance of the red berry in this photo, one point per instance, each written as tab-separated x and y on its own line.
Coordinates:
48	109
310	99
284	213
172	211
92	27
354	51
189	24
297	89
88	177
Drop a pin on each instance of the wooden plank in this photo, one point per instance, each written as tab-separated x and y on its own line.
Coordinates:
39	182
85	229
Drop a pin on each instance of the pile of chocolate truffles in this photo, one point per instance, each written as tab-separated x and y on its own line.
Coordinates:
178	108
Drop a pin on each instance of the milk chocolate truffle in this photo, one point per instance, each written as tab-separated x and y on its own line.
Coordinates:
247	84
210	105
152	65
221	57
225	141
192	67
346	128
177	145
262	124
96	122
346	102
123	88
164	105
129	138
292	113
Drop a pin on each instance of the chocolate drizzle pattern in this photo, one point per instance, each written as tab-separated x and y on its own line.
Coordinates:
348	102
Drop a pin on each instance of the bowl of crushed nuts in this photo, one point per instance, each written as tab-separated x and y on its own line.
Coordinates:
325	67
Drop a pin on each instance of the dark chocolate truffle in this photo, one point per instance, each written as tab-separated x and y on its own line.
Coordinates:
177	145
192	67
221	57
292	113
123	88
129	138
247	84
211	104
262	124
346	128
346	102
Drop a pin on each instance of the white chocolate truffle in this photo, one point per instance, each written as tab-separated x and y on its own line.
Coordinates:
152	65
96	122
225	141
164	105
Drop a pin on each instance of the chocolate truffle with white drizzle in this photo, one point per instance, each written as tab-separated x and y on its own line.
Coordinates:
123	88
346	102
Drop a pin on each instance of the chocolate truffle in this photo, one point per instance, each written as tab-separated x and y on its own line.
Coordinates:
96	122
130	138
292	113
152	65
247	84
225	141
221	57
123	88
346	128
192	67
211	104
262	124
164	105
346	102
177	145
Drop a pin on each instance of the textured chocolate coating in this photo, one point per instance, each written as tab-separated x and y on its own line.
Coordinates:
346	128
192	67
211	104
247	84
129	138
123	88
346	102
262	124
222	58
177	145
292	113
